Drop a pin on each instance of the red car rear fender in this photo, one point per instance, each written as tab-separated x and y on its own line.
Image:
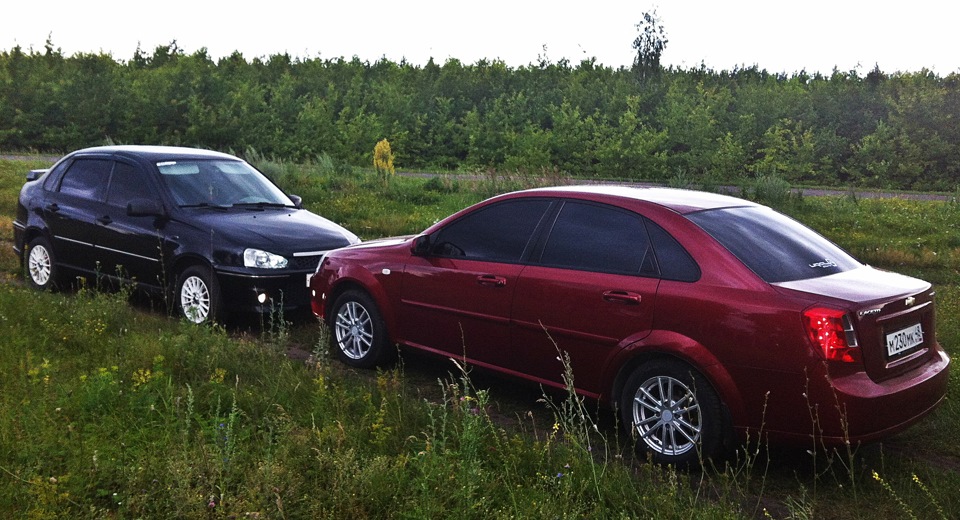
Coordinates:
661	343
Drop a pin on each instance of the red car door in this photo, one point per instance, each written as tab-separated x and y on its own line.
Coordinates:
592	289
459	307
583	314
456	296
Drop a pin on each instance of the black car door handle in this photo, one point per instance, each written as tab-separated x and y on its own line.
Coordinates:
491	280
105	220
625	297
53	207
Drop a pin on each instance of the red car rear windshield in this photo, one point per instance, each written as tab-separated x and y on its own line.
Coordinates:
776	247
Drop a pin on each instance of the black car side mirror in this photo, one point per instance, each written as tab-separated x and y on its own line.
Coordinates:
421	245
297	201
33	175
145	208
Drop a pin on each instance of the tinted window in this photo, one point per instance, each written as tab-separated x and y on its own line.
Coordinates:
87	178
126	184
52	178
774	246
498	233
674	261
598	238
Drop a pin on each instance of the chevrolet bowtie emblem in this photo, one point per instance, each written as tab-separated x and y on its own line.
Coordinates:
910	301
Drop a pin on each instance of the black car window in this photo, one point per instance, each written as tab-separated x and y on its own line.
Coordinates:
127	183
87	178
776	247
497	233
674	261
599	238
51	179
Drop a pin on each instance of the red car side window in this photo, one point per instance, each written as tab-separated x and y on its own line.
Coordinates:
599	238
496	233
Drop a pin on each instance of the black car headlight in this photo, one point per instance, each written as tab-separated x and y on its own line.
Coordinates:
263	259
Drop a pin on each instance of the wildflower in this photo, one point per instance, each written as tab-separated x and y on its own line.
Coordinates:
218	376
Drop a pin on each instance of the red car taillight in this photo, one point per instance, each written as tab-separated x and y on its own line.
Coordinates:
832	332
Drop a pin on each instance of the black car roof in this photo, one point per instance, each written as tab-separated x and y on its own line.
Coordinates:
156	153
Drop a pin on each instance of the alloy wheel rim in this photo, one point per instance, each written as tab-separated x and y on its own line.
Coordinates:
666	415
354	330
39	265
195	299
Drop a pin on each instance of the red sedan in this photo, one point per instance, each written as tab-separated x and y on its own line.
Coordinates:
702	318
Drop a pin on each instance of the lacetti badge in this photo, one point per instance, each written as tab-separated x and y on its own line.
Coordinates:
825	264
910	301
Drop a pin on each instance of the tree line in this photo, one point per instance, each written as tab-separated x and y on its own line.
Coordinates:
888	130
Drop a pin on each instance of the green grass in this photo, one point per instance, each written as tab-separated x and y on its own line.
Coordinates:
115	410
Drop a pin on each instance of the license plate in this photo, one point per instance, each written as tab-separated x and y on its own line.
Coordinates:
903	340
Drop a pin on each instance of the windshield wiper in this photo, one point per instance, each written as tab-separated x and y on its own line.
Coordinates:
205	205
263	204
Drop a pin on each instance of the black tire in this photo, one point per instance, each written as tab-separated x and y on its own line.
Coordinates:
197	295
358	335
40	267
673	413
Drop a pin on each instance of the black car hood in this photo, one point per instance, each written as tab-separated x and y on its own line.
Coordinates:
278	230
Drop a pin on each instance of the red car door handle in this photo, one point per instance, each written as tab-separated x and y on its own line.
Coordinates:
491	280
626	297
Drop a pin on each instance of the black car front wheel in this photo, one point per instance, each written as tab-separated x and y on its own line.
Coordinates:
40	268
359	336
672	412
198	295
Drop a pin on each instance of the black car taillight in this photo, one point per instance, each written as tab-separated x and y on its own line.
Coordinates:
831	331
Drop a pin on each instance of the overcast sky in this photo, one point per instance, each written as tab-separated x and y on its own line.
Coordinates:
776	35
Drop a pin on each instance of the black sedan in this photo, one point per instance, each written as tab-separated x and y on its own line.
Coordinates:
203	228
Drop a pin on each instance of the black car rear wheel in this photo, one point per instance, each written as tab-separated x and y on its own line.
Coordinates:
40	268
198	295
359	336
672	412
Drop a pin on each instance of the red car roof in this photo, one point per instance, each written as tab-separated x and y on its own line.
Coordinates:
681	201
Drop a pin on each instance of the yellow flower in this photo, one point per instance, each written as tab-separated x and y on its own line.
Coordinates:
217	376
141	377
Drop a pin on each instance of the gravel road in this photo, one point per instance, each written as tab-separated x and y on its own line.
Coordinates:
812	192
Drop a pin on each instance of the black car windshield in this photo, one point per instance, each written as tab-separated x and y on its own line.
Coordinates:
776	247
219	183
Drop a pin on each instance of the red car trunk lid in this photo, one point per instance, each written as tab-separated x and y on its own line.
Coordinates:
893	316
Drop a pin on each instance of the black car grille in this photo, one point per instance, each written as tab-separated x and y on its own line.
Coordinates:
304	262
